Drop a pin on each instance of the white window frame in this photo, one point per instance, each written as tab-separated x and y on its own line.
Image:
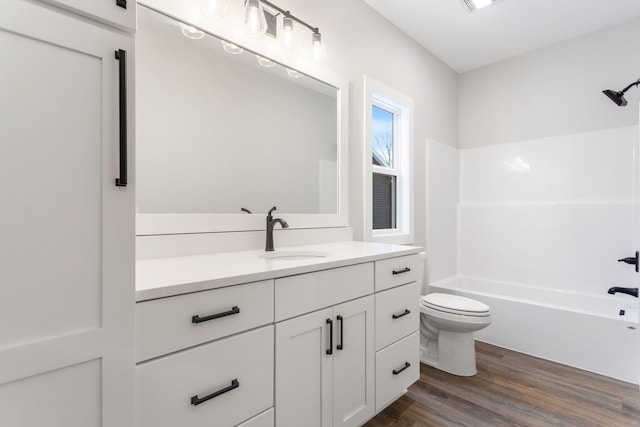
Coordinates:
402	106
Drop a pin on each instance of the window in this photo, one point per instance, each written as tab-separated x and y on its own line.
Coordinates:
389	145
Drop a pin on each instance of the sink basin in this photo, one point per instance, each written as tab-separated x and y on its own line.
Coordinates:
293	255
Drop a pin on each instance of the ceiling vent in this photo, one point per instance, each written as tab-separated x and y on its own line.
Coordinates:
474	5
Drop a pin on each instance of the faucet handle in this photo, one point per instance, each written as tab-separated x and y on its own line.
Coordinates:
271	210
632	260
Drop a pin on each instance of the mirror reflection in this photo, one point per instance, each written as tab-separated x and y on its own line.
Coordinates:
220	129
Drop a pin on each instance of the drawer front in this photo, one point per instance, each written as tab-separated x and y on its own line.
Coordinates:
391	376
173	391
304	293
266	419
396	271
397	314
167	325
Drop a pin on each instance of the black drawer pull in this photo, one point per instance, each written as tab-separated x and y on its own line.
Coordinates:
330	349
122	3
341	345
404	270
195	400
198	319
406	365
121	56
397	316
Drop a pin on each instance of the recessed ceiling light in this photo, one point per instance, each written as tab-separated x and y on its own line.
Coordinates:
474	5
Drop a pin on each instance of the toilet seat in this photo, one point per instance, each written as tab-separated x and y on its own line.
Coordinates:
455	304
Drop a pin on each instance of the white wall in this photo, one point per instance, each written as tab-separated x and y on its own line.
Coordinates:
360	41
552	91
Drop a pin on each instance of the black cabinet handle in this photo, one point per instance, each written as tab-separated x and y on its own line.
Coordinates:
198	319
406	365
121	56
122	3
195	400
404	270
341	345
330	349
397	316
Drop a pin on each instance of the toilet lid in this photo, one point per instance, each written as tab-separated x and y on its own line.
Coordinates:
455	304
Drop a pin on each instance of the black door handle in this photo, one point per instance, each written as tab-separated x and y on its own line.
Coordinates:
406	365
198	319
404	270
397	316
195	400
341	345
330	349
122	3
121	56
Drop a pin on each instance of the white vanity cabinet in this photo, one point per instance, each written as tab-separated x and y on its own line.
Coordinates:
324	367
316	343
205	358
67	231
325	359
397	327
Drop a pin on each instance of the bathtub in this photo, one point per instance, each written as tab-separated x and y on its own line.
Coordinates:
581	330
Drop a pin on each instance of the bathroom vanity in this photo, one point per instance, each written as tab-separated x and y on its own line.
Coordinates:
322	335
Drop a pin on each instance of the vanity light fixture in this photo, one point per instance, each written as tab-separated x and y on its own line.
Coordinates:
288	32
191	32
231	48
215	9
474	5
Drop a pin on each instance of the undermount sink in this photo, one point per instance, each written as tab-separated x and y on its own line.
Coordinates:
294	255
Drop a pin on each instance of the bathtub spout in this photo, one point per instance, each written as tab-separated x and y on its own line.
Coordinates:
629	291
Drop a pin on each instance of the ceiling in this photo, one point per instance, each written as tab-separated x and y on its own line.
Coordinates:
508	28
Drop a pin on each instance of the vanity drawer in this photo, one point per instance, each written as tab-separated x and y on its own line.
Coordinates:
397	314
266	419
296	295
396	271
393	375
170	324
172	391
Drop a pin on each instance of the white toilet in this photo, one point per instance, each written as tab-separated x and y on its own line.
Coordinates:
447	324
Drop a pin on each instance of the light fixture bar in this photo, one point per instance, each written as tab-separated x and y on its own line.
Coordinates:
288	14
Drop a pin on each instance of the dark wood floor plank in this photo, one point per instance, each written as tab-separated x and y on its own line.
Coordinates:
514	389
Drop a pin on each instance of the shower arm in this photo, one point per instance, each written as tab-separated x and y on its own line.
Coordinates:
629	87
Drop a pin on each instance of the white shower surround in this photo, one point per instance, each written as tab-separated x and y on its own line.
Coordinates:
581	330
540	225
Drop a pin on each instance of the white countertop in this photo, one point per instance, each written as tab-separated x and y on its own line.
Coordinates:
165	277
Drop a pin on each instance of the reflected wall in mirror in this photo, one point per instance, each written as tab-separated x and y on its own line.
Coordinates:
217	132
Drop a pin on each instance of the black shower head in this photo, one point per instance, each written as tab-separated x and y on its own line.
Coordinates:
618	97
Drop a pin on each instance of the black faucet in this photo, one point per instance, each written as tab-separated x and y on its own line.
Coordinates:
271	222
629	291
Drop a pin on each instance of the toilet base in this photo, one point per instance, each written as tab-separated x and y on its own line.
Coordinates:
453	352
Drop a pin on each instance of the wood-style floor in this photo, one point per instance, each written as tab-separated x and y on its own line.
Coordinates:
513	389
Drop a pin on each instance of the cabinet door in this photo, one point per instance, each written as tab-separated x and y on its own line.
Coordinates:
304	371
353	362
67	232
120	13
